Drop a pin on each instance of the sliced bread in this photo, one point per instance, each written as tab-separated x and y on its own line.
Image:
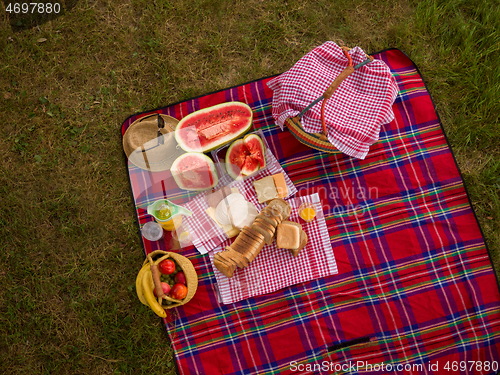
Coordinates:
288	236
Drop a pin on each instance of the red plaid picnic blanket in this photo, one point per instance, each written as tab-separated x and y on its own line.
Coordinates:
357	109
274	268
415	292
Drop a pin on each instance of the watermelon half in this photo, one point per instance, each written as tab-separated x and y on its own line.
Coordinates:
212	127
245	156
194	171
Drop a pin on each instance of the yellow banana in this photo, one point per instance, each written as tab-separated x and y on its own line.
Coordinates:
147	289
138	284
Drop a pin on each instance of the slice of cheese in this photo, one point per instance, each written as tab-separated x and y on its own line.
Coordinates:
228	229
280	183
243	217
238	211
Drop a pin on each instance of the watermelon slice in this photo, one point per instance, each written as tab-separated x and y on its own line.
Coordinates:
212	127
194	171
245	156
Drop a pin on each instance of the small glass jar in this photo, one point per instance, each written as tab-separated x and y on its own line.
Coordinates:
182	236
307	211
152	231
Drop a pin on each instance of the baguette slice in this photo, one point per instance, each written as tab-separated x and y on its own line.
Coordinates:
224	268
224	257
272	212
252	234
273	220
249	240
242	259
303	243
298	225
239	246
257	240
236	257
252	245
266	224
265	231
278	206
255	251
288	236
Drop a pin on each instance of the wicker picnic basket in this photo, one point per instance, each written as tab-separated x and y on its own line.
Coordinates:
313	140
319	141
155	257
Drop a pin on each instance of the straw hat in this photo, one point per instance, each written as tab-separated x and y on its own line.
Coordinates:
145	149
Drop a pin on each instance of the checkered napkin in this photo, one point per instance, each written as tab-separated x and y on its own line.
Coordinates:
205	233
357	109
274	268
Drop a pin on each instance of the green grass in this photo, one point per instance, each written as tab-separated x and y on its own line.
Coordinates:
70	247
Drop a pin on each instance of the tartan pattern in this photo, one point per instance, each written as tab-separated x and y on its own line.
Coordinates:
414	272
274	268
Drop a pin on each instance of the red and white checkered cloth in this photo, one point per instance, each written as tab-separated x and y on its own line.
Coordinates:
357	109
274	268
205	233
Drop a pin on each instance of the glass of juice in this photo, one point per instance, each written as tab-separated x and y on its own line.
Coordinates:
307	211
